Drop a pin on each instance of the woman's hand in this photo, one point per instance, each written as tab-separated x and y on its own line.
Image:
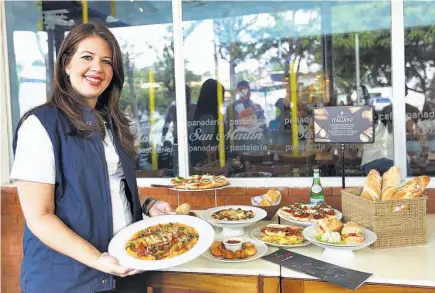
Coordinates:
110	265
160	208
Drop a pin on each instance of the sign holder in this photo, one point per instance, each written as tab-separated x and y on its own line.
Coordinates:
344	124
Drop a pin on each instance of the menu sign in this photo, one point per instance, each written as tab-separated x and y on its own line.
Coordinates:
340	276
344	124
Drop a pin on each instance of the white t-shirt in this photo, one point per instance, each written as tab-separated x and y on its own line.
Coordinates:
34	153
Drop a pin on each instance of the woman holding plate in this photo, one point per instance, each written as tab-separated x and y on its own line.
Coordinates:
74	170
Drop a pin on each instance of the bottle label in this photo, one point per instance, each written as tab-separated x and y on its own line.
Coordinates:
316	188
314	201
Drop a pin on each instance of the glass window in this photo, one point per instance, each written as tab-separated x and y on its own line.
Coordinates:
144	32
420	87
264	65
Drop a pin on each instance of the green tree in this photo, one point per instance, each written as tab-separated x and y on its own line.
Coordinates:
235	42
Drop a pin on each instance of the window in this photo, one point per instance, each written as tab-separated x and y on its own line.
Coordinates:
144	32
420	86
256	69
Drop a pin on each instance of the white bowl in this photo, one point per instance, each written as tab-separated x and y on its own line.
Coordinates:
233	246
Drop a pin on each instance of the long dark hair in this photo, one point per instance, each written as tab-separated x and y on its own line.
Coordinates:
207	100
71	103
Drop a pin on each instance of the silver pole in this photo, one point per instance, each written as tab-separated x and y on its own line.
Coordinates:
357	73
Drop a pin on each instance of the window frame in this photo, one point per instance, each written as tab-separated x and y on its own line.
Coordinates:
398	102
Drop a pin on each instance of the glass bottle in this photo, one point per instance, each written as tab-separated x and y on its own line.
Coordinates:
316	194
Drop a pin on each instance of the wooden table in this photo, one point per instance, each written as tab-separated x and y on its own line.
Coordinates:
399	270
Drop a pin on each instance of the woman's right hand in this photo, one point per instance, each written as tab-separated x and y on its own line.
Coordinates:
110	265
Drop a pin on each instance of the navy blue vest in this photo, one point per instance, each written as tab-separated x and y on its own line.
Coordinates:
82	202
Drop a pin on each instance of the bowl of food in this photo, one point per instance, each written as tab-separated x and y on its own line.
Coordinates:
268	202
233	244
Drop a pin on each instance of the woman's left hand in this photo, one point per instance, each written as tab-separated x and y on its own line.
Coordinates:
160	208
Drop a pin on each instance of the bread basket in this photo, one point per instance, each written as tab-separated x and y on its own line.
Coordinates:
271	210
397	223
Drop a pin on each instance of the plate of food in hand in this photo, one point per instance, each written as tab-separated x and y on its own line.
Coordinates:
161	242
235	249
285	236
307	214
199	182
332	233
234	214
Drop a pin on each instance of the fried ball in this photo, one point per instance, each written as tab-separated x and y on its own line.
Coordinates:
216	244
228	254
238	254
250	251
217	251
244	254
247	245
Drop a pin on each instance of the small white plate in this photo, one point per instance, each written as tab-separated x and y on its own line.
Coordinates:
260	246
256	235
259	214
310	234
282	215
118	242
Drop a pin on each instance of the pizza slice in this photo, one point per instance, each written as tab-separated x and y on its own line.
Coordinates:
178	182
329	212
206	182
220	181
300	206
192	184
317	216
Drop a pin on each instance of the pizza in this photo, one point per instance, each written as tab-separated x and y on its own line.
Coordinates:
162	241
196	182
303	213
233	215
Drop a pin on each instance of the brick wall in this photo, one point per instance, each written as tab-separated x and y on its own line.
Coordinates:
12	220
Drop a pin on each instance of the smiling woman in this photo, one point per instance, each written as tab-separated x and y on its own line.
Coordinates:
90	68
74	170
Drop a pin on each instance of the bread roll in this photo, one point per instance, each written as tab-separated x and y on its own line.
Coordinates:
390	182
273	196
183	209
352	233
265	202
372	187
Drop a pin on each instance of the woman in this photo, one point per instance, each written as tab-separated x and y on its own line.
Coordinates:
207	124
74	170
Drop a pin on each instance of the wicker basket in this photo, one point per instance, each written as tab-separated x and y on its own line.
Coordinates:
394	228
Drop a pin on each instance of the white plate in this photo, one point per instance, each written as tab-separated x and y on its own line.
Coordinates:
259	214
260	246
117	244
338	214
310	234
256	235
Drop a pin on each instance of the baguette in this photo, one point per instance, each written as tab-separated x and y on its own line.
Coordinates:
422	181
413	188
372	187
388	193
390	179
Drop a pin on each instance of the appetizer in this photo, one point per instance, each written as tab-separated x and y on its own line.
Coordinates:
282	234
333	231
162	241
219	250
196	182
304	213
233	215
